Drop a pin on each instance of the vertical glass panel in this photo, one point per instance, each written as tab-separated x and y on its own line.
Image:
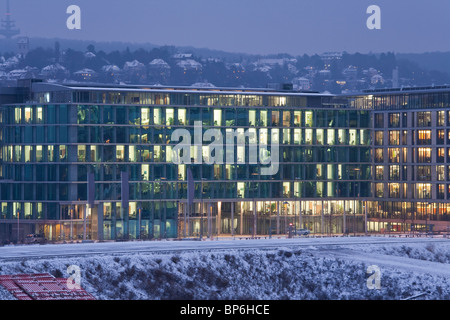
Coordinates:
297	118
286	118
286	136
120	153
331	138
81	153
62	153
263	118
181	117
145	116
169	116
320	136
157	116
297	136
309	122
218	117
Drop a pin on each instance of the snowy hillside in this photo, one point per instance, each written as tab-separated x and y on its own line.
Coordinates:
271	274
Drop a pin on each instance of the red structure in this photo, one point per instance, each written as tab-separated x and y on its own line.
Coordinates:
42	287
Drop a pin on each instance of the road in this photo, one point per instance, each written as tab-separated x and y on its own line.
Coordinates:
116	248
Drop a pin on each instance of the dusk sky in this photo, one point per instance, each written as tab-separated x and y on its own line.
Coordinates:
249	26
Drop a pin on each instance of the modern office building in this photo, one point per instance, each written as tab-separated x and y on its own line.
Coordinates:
103	162
411	158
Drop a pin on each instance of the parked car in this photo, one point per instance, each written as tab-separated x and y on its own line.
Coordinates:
35	239
302	232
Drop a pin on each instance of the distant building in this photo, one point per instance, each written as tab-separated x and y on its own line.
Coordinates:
85	75
23	46
134	72
158	71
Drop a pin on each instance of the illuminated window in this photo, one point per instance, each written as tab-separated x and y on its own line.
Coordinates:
424	137
95	155
133	154
39	115
81	153
263	136
309	122
394	120
181	117
440	118
241	190
157	116
440	157
145	172
50	152
28	115
394	138
120	153
441	191
394	172
275	118
404	137
39	154
145	115
170	117
297	136
286	118
320	136
379	190
379	155
297	118
424	119
394	190
424	155
352	137
308	136
263	118
286	136
331	138
28	153
440	173
342	136
182	172
423	190
379	172
440	139
18	115
394	155
251	118
62	153
379	136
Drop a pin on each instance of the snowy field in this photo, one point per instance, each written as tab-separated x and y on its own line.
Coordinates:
276	269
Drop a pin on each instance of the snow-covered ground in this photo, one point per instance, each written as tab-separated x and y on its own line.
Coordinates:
306	268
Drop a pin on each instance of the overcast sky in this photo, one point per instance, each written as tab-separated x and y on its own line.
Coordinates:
249	26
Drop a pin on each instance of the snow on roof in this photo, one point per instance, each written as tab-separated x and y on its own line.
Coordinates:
189	64
203	85
89	55
159	62
53	67
110	68
85	70
133	64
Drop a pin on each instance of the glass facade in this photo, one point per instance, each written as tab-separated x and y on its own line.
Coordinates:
342	160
